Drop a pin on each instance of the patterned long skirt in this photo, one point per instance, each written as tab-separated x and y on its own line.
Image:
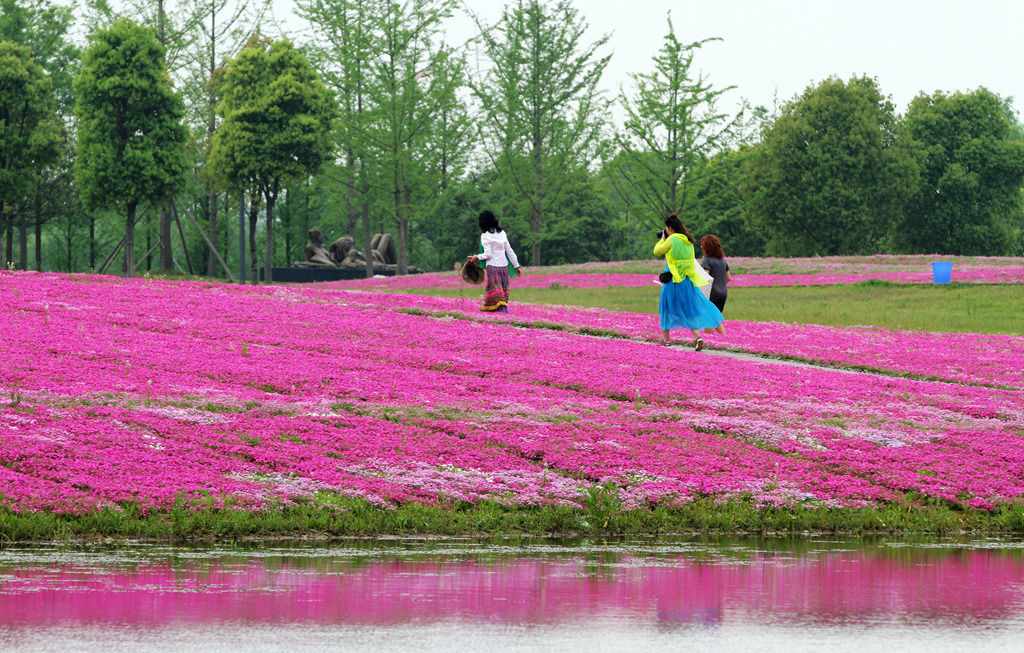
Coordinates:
496	291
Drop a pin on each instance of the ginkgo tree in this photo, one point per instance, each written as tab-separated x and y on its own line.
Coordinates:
673	125
543	114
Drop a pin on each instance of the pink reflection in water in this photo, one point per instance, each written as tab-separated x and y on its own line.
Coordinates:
836	588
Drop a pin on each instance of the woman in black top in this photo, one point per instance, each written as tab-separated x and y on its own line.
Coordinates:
714	263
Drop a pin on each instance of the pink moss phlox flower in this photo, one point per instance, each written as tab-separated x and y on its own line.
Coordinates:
143	395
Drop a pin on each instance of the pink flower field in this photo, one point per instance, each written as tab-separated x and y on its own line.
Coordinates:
977	359
120	393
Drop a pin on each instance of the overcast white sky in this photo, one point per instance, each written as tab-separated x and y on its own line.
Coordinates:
776	48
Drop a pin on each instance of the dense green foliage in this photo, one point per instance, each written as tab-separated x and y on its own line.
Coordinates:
421	134
131	141
968	200
43	28
829	171
30	134
720	203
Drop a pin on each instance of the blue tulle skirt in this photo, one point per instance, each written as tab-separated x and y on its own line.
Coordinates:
684	306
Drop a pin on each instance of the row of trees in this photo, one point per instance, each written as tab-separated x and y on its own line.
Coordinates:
170	119
837	172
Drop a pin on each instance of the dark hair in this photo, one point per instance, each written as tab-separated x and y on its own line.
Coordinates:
711	246
488	222
677	226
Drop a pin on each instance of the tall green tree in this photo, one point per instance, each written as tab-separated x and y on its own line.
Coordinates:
542	111
173	24
421	127
403	130
131	141
829	173
30	133
276	125
673	124
199	36
968	200
220	36
43	27
346	36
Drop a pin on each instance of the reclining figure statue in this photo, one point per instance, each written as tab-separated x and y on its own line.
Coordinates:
342	253
316	255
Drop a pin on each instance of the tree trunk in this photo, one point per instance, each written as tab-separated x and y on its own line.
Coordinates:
268	263
535	226
129	240
286	225
22	242
9	235
537	219
305	214
68	241
353	213
38	230
92	242
149	241
211	127
254	212
211	264
166	253
181	235
367	238
402	261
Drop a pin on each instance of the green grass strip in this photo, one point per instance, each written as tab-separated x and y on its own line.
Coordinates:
358	518
952	308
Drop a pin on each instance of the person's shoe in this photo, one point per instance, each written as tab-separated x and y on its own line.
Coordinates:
664	343
699	344
503	310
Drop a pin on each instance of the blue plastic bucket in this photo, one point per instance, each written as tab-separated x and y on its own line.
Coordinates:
942	272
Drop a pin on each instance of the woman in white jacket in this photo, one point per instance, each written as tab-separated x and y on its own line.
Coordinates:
500	260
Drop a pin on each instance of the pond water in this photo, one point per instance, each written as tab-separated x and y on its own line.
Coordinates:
593	595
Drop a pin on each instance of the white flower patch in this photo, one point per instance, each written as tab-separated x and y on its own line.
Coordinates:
772	492
182	414
883	438
512	487
14	421
281	485
155	444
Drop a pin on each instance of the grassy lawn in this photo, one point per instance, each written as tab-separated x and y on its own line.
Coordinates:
955	308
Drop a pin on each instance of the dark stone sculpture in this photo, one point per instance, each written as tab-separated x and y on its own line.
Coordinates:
316	255
342	253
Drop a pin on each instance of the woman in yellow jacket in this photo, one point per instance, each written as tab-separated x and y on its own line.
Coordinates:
682	304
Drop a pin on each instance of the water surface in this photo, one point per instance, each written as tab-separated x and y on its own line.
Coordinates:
614	595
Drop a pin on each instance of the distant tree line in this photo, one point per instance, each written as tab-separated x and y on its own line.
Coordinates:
183	137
